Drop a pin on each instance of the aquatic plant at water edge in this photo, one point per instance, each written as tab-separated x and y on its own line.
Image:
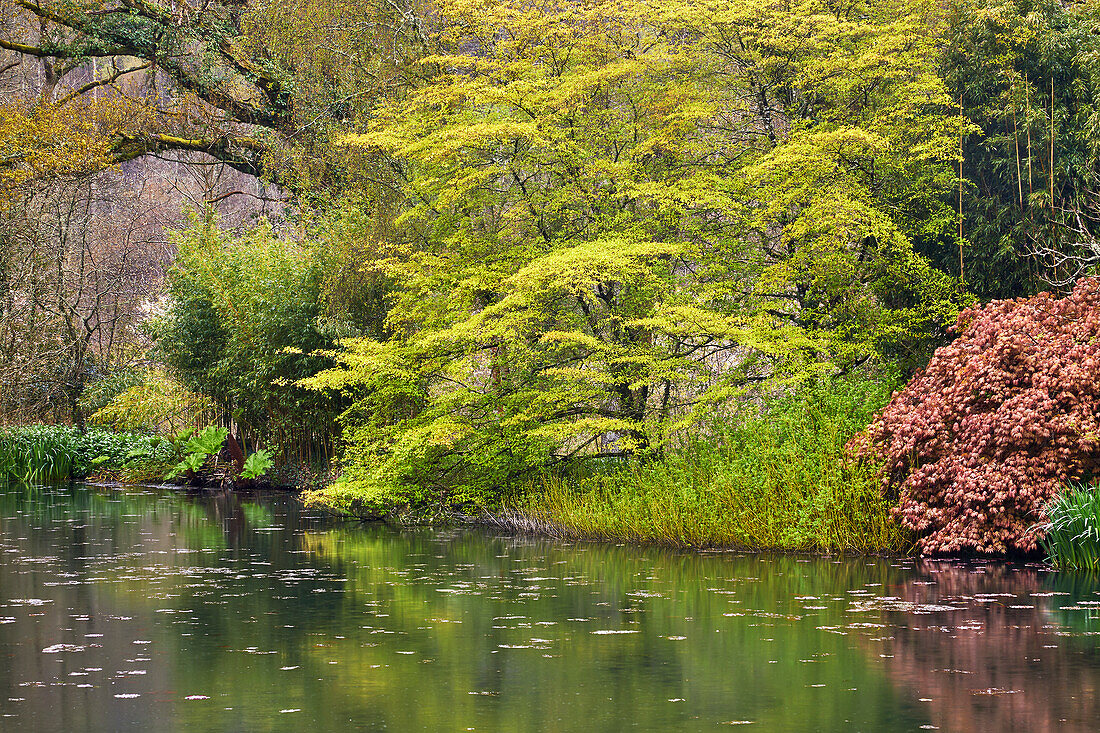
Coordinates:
257	464
47	453
37	453
198	447
781	479
977	445
1071	534
208	440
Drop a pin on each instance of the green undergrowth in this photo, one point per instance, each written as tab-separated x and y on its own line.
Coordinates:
779	480
49	453
55	453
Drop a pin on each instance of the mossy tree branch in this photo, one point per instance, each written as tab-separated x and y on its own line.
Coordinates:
199	50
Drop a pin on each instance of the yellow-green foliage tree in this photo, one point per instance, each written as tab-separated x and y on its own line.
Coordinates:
47	140
617	215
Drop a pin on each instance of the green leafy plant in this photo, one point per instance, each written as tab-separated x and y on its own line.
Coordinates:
242	328
1072	529
155	403
209	440
138	453
190	465
257	464
199	445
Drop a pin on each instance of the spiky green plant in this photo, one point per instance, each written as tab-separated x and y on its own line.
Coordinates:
1072	531
38	453
191	464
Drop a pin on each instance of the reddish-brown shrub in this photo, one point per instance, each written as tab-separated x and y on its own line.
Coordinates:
978	444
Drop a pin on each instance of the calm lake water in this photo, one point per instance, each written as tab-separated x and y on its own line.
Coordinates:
156	611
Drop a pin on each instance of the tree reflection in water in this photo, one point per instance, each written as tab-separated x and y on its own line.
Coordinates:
1017	655
135	610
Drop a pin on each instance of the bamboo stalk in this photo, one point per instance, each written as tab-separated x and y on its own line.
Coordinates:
1019	175
962	267
1052	146
1027	113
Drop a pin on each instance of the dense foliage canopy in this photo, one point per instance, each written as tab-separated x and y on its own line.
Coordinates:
617	218
476	243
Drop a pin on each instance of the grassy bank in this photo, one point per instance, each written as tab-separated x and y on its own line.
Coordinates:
779	480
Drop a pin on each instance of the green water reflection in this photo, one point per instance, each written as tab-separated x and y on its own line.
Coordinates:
149	610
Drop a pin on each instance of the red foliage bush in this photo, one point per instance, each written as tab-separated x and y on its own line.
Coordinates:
979	443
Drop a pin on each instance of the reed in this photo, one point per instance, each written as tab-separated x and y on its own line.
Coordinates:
1072	531
37	453
782	480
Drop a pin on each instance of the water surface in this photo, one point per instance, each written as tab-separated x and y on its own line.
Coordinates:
138	610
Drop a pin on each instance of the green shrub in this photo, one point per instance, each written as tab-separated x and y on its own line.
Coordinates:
242	327
99	393
157	403
1072	530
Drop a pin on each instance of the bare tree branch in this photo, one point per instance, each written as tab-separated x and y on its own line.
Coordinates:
106	81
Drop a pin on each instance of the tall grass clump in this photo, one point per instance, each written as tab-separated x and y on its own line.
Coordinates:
779	479
1072	531
37	453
